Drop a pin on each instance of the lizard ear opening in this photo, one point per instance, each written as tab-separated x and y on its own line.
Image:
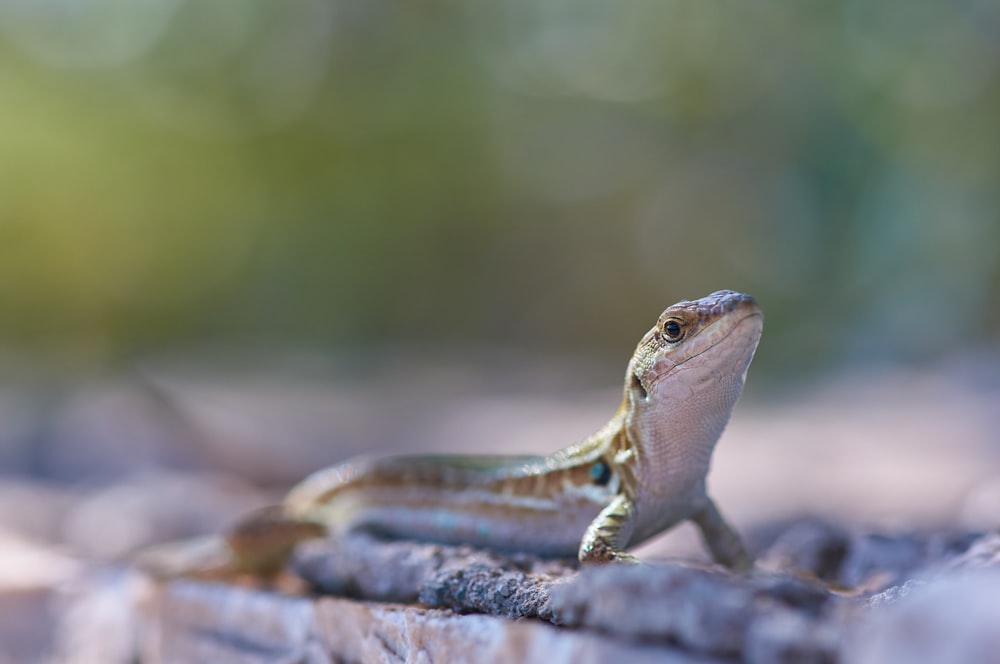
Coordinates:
639	388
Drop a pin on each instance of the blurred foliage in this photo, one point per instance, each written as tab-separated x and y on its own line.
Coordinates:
548	174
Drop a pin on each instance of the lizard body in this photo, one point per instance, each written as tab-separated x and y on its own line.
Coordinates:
638	475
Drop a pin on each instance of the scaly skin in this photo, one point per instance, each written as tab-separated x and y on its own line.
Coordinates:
642	473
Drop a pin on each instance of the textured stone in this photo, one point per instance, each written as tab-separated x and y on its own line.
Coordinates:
814	547
951	619
703	611
984	551
197	622
26	624
647	612
463	579
875	559
480	588
30	574
784	636
98	618
858	559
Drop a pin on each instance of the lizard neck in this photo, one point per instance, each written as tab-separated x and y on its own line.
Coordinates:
675	430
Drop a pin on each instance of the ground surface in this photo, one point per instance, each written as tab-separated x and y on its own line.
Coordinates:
866	481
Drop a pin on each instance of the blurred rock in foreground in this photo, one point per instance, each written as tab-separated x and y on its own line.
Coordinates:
30	577
940	607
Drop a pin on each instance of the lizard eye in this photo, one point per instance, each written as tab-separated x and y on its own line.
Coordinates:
672	331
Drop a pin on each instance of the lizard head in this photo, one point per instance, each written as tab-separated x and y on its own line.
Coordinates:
709	341
683	380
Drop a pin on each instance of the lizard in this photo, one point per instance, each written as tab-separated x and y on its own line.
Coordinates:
640	474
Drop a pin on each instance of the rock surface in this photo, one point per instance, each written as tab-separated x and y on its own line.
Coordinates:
462	579
952	618
426	603
192	622
89	472
30	575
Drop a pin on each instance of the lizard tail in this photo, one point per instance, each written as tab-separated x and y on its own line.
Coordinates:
258	545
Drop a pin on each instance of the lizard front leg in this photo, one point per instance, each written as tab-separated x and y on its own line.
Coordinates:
721	539
607	535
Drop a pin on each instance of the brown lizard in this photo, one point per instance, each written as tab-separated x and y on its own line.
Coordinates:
640	474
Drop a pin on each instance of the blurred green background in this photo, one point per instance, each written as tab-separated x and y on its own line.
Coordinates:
545	175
